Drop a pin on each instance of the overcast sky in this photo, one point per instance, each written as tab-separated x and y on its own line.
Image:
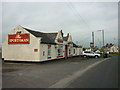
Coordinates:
79	19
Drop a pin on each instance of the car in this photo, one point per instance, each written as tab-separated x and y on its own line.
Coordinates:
90	54
97	51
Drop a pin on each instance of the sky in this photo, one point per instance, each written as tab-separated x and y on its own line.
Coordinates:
79	19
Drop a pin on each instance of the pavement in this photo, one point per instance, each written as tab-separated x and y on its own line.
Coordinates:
64	73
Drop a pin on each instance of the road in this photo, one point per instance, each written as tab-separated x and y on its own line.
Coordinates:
71	73
0	70
104	75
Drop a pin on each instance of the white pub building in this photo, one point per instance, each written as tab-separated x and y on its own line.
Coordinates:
23	44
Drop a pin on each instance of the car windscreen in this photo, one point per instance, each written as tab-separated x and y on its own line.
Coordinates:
88	52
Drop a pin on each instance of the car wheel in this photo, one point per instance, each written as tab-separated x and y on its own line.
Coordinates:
84	56
96	56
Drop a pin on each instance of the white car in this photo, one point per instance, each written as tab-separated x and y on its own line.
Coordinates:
90	54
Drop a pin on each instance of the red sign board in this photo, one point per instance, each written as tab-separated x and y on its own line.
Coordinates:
92	44
60	41
18	38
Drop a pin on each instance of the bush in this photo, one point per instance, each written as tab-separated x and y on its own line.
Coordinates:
105	55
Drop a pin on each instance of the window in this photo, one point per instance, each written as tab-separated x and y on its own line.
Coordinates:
60	50
19	32
60	40
74	51
43	53
69	51
49	50
87	51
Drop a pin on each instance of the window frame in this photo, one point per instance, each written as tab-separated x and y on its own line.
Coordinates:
49	50
60	50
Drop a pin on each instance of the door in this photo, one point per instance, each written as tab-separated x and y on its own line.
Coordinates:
66	51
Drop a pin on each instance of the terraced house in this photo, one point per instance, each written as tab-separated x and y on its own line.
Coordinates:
23	44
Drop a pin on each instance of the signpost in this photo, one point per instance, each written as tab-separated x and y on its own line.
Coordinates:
92	45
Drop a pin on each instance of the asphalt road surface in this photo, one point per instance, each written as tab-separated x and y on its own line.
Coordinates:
74	72
104	75
0	70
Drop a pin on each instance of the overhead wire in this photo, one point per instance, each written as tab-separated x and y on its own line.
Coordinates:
73	9
78	14
70	5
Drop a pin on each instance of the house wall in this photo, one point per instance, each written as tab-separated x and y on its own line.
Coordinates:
114	49
53	51
25	52
59	36
79	51
21	52
69	38
71	50
44	49
63	50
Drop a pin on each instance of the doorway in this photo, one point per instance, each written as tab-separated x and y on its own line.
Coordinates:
66	51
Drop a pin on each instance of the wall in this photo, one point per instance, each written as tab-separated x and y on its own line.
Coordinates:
44	48
79	51
114	49
64	51
21	52
25	52
70	46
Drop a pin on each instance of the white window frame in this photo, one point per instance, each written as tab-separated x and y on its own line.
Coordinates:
49	51
60	50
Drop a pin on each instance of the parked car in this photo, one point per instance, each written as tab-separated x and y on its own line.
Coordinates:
97	51
90	54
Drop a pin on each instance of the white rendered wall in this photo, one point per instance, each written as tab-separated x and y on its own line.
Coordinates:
80	50
21	52
44	48
70	47
114	49
53	52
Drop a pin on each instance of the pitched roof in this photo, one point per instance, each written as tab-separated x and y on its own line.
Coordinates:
108	45
47	38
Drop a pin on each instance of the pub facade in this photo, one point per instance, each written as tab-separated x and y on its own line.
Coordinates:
23	44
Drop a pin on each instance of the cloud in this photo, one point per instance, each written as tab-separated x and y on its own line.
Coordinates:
78	19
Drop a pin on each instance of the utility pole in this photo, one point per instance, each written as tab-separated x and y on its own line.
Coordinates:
93	37
103	36
92	43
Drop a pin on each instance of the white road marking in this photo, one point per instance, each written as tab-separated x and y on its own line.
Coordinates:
66	81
